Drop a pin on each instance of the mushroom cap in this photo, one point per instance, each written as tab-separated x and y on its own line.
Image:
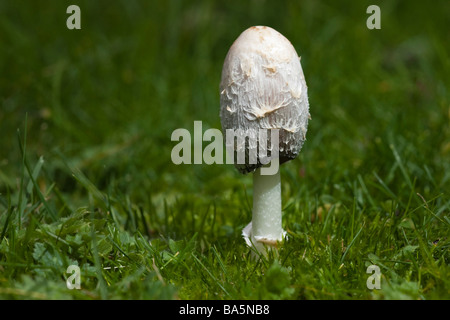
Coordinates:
263	87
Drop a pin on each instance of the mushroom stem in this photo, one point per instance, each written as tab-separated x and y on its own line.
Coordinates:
265	228
266	216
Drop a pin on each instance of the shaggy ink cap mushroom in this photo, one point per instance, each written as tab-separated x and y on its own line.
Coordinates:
263	89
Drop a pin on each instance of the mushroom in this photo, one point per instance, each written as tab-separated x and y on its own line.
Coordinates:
263	90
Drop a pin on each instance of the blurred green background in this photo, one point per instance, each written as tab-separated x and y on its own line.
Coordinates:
109	96
105	99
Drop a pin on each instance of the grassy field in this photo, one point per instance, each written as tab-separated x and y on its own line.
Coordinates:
86	177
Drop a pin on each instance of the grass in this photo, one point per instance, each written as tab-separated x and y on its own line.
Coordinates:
86	178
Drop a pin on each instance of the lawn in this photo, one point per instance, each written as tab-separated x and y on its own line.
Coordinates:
86	176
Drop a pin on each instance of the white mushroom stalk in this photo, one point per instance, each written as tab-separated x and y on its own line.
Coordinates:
265	229
263	88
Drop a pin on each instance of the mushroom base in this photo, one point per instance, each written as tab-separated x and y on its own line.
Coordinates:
258	243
